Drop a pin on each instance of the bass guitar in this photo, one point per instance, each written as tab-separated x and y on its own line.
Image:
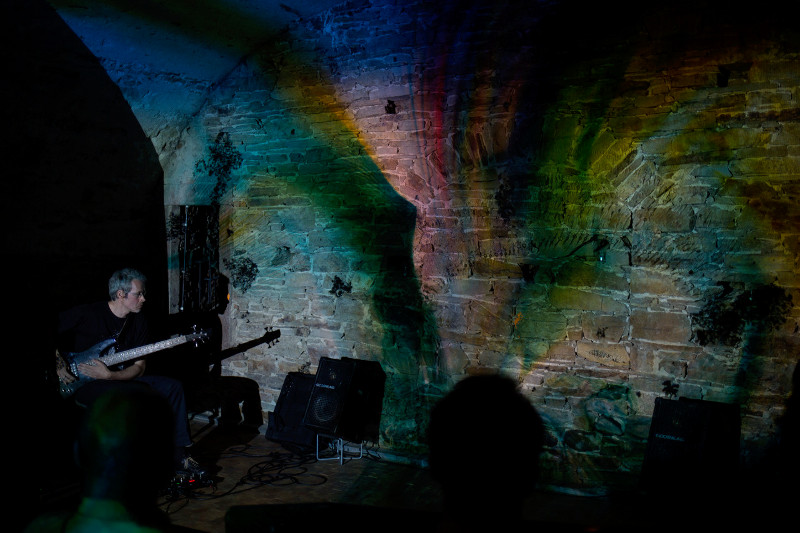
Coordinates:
270	338
104	351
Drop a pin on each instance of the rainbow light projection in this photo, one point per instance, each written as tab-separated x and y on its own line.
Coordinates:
548	179
697	138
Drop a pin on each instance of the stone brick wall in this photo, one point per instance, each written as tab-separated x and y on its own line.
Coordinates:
602	206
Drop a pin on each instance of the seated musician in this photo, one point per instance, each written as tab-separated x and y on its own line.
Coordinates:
82	328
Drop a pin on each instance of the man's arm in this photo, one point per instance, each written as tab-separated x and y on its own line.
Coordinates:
96	369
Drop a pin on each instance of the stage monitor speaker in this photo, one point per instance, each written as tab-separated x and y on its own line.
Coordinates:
285	424
347	399
692	443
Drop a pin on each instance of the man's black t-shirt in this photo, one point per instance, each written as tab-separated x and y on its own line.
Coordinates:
82	327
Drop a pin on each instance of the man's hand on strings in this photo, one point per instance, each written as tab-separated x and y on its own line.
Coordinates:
61	370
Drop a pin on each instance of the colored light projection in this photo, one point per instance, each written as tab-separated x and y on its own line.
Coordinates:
638	226
647	169
582	200
302	146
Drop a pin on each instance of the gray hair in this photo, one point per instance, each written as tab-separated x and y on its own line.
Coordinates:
123	280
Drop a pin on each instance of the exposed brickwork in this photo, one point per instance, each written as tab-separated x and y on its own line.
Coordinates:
498	201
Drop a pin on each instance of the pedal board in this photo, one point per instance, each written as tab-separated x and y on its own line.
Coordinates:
183	481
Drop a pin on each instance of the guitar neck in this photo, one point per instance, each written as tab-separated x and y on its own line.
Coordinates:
268	337
134	353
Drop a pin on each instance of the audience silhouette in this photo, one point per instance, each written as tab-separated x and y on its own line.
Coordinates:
124	450
485	439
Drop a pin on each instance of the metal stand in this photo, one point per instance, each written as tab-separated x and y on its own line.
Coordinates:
339	445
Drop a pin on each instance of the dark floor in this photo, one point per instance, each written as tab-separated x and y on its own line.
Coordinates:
257	482
249	470
262	486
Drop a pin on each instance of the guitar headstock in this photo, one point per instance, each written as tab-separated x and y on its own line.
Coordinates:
198	336
271	337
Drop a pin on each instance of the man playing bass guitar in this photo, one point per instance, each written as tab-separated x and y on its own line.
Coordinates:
89	327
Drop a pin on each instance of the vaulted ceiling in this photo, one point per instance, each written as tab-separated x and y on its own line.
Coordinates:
194	40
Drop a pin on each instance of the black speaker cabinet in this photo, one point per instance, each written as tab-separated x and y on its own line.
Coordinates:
692	443
285	424
347	399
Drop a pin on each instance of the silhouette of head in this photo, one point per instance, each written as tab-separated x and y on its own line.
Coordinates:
485	438
125	446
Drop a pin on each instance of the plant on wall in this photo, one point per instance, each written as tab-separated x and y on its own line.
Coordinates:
223	159
243	272
340	287
726	315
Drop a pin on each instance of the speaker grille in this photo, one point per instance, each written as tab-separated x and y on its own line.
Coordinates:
325	407
328	395
347	399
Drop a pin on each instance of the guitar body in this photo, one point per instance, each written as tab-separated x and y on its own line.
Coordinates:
72	360
104	351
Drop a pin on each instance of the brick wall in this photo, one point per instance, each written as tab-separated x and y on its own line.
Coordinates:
601	206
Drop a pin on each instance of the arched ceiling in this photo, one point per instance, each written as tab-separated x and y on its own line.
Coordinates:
197	39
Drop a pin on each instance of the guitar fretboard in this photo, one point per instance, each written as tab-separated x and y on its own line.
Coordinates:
127	355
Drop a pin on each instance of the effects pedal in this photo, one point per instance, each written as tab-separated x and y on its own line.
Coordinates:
185	481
